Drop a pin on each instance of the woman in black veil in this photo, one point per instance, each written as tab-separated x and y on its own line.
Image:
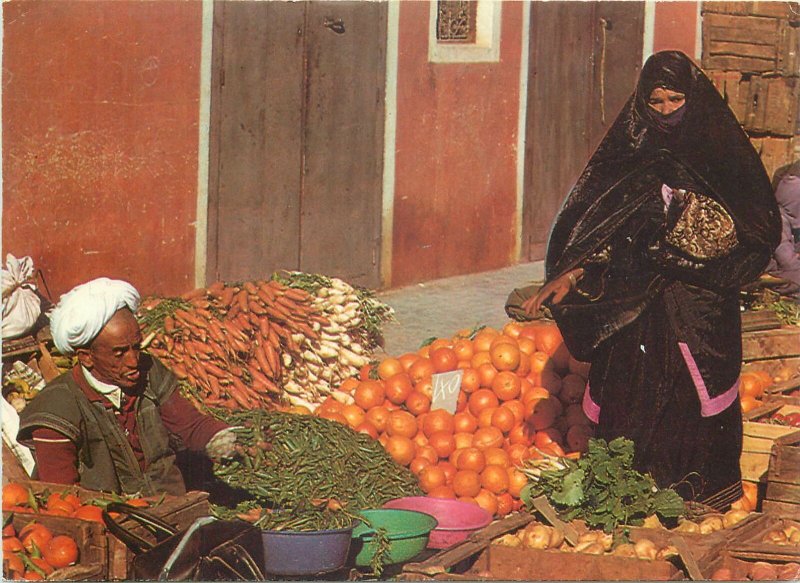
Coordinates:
673	213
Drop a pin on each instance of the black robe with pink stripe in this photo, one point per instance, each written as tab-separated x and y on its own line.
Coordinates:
663	335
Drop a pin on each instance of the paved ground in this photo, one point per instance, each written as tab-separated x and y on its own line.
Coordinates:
444	306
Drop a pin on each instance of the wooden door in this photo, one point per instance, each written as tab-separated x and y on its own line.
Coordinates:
297	115
585	59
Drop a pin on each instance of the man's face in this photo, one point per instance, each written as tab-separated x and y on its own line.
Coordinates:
113	356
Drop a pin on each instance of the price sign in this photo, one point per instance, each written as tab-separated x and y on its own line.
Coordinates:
446	387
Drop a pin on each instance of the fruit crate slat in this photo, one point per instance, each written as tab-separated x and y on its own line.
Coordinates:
783	478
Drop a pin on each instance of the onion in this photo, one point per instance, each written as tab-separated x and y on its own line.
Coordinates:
687	526
645	549
711	524
625	550
536	537
732	517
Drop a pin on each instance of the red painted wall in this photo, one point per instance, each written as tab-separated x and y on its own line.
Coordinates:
100	137
675	27
455	185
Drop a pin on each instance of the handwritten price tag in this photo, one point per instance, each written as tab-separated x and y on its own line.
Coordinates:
446	386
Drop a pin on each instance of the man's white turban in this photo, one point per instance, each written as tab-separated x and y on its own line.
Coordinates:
82	312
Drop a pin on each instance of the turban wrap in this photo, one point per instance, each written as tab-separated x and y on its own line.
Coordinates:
82	312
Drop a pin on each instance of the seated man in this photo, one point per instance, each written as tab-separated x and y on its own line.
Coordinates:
109	423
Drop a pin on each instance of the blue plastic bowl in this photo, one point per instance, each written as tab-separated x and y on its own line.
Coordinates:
293	552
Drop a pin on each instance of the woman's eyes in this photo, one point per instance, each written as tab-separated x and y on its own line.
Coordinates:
677	98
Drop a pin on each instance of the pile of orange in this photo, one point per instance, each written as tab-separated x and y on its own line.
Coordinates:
21	499
35	552
520	398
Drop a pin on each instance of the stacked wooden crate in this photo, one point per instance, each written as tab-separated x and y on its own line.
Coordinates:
751	52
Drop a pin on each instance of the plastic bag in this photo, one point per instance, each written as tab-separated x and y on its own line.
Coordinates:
21	304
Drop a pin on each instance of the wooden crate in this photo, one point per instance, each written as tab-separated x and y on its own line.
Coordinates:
739	563
761	345
178	511
758	439
770	104
92	544
775	9
749	43
783	478
749	540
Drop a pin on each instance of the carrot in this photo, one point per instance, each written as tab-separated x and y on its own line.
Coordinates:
200	303
195	293
262	360
169	324
263	327
215	330
219	352
226	299
234	330
273	360
296	294
289	305
241	300
251	288
213	369
277	313
257	308
238	391
274	338
215	389
190	319
308	331
238	345
216	288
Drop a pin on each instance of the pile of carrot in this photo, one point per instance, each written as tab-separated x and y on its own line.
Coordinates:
231	341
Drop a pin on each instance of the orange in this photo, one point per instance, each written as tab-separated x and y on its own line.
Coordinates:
464	422
448	469
333	416
369	394
526	346
417	403
502	339
483	339
512	329
461	403
71	499
417	465
486	374
354	414
470	458
482	399
329	405
517	408
367	428
89	512
419	439
541	414
485	417
408	359
494	478
425	386
505	355
365	372
488	437
424	351
547	436
431	477
535	394
444	359
401	423
524	366
516	482
438	420
389	367
349	384
440	343
751	385
398	387
504	419
521	434
421	369
427	452
463	439
505	504
442	492
443	442
61	551
466	483
401	449
379	417
506	385
479	358
470	381
518	453
548	338
540	361
463	349
496	456
37	536
487	500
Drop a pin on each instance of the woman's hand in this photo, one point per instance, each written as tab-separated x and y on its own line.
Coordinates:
557	289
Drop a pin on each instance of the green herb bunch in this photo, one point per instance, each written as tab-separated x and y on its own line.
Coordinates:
307	473
601	487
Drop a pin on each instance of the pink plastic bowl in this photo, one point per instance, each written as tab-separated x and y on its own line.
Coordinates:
457	520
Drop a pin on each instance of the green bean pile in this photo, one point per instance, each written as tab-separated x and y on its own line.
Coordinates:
307	473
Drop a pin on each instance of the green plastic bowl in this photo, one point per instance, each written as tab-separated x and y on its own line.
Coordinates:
407	531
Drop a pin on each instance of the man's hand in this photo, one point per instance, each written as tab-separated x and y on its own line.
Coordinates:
222	445
557	289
